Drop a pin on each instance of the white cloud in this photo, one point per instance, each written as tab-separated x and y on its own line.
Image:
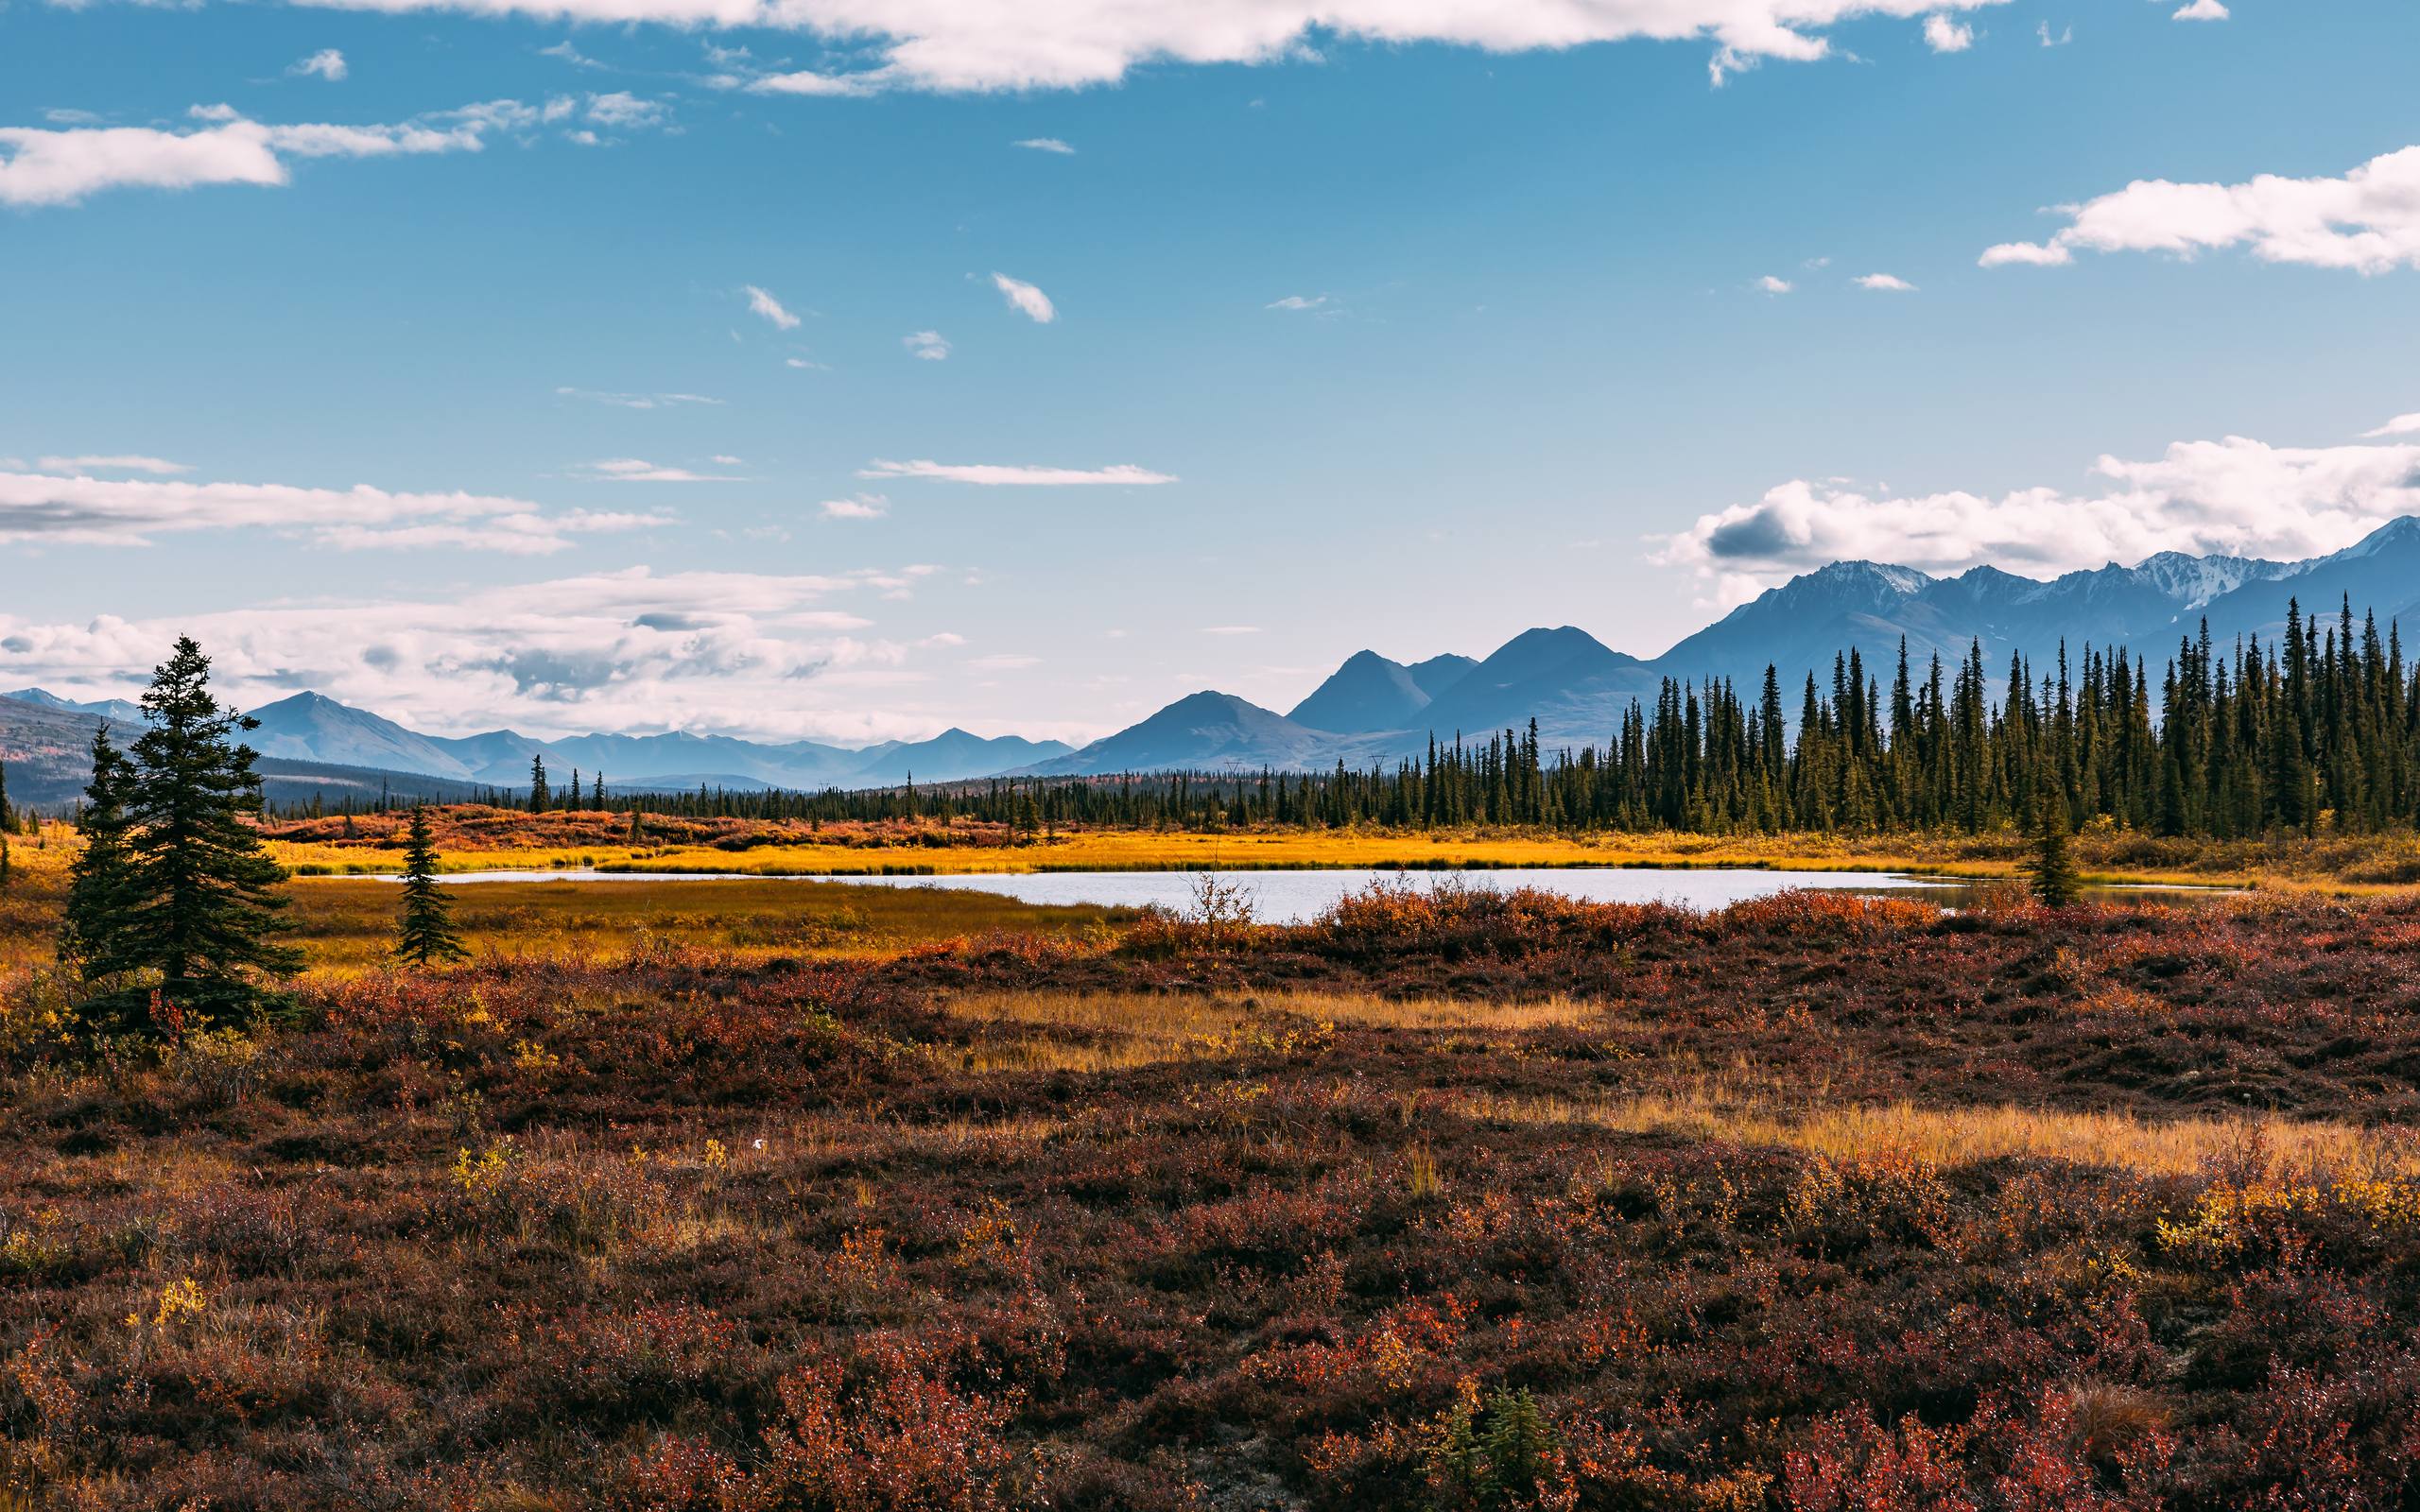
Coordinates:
1045	143
1230	629
929	345
620	401
995	476
637	469
2066	35
624	111
2236	495
769	308
39	509
571	54
2201	10
39	167
858	507
1002	663
2400	425
1943	35
942	639
1775	285
1886	284
111	464
1297	301
1024	297
326	63
976	45
2368	220
757	654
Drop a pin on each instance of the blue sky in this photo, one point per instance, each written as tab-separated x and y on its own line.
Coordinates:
1431	340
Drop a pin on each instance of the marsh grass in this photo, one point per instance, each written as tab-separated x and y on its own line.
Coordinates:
1948	1137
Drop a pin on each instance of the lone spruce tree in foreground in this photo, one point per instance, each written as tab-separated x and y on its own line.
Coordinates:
2051	873
425	930
203	910
100	883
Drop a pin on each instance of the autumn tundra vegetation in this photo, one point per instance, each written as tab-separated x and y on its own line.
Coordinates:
754	1195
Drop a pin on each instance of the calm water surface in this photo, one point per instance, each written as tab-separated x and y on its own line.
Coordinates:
1295	897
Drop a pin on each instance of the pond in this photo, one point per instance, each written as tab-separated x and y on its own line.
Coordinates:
1296	897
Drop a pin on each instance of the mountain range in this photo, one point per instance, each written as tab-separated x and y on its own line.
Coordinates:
1370	708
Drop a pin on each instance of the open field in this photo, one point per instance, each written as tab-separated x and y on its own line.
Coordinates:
1459	1203
477	840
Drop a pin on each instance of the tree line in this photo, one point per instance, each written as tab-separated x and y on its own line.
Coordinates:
2321	726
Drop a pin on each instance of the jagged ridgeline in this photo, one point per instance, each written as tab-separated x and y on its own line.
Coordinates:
2322	723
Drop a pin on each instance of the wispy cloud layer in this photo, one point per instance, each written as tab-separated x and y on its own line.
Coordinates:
38	509
2368	220
61	167
995	476
633	650
158	467
2239	496
977	46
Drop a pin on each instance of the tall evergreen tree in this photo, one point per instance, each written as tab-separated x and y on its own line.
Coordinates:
93	935
204	910
424	928
538	795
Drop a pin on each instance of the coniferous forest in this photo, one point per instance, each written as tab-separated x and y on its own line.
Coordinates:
2321	727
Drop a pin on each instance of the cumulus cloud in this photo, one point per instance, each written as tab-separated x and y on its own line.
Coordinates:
326	63
638	470
997	476
2236	496
2201	10
598	396
1886	284
2400	425
1298	302
2066	35
973	45
745	653
931	346
61	167
858	507
2368	220
1943	35
1775	285
156	466
1024	299
1045	143
769	309
40	508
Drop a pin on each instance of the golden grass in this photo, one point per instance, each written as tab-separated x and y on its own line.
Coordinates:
2334	863
1125	1031
1950	1137
349	924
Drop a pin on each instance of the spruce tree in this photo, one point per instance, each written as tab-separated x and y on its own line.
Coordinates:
93	935
425	930
538	797
204	910
2051	873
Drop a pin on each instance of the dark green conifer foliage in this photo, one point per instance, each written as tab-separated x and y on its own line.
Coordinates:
424	928
92	936
203	907
2051	875
539	801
